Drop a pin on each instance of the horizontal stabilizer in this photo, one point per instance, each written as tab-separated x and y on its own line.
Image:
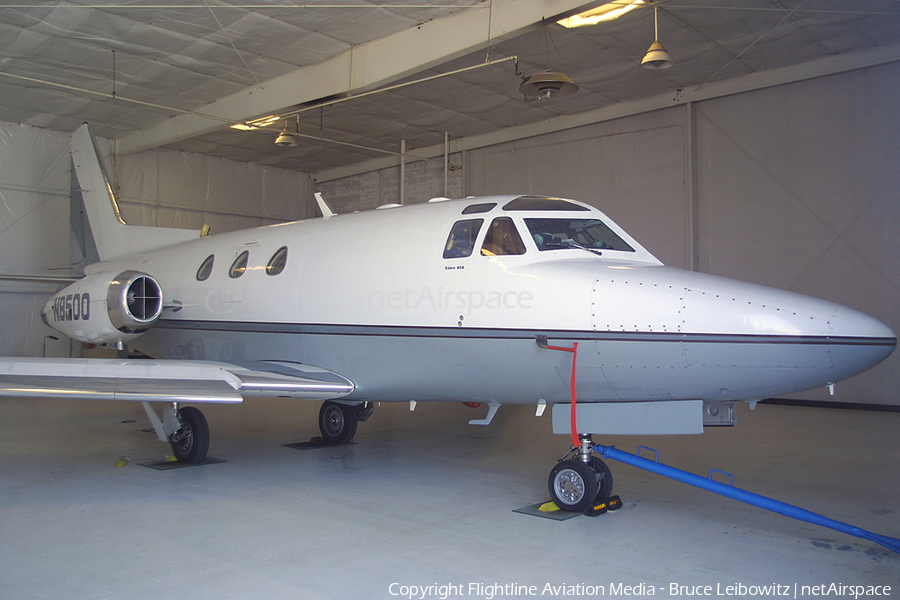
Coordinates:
164	380
55	280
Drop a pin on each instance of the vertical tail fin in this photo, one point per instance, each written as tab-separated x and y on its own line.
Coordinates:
112	236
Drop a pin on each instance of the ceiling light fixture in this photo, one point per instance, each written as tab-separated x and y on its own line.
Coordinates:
607	12
547	85
285	139
656	57
256	123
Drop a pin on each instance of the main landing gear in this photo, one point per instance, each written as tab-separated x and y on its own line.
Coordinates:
337	422
185	429
190	443
580	479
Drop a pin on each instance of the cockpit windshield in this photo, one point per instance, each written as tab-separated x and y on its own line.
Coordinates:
588	234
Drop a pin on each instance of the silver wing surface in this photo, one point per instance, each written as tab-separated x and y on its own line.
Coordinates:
143	380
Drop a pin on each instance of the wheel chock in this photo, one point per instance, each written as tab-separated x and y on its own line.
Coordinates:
548	507
611	503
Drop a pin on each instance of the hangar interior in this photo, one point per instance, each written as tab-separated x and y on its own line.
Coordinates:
768	153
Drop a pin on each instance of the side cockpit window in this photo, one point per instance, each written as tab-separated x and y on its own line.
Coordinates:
502	239
461	241
277	262
205	269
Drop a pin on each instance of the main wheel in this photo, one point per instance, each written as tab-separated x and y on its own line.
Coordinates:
573	485
191	442
605	483
338	422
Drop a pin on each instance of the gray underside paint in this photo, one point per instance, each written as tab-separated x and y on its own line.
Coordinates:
508	366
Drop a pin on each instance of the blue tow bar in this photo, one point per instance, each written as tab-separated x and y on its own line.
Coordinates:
738	494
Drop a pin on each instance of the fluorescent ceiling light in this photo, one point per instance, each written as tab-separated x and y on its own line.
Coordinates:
606	12
256	123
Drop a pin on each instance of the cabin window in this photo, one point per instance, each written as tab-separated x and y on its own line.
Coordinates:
543	203
239	265
474	209
502	239
277	262
556	234
461	240
205	269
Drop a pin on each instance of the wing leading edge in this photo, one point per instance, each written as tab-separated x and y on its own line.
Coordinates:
142	380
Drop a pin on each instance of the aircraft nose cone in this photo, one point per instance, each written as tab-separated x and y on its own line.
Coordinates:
853	323
864	340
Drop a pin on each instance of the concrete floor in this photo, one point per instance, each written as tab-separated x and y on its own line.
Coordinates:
424	499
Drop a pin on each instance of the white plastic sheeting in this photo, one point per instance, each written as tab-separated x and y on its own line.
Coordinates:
160	187
166	188
34	232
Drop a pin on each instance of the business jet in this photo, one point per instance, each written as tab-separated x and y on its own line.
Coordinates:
494	300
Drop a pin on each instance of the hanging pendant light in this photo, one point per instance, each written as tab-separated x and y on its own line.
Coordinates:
656	57
547	85
285	139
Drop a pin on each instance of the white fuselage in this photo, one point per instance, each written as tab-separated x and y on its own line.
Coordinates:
372	297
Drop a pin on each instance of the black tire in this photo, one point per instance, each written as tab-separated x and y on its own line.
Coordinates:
190	443
605	482
573	485
337	422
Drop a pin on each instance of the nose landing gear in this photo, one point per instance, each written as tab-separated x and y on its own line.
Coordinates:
580	478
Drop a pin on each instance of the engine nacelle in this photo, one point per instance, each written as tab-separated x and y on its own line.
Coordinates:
105	307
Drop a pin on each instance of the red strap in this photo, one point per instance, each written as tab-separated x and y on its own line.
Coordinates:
573	415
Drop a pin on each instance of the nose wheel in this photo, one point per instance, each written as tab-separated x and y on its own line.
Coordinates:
581	480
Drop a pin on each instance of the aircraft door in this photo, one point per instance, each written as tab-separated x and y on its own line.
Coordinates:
234	280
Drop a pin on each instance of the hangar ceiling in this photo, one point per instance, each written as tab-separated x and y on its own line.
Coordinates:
177	74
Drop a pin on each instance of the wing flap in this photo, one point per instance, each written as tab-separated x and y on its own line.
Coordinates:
165	380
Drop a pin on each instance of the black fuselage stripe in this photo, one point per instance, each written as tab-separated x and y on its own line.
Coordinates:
509	334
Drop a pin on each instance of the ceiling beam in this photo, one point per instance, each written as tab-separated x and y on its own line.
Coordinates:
763	79
361	68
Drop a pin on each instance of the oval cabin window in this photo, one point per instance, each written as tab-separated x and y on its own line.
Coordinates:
277	262
205	269
239	265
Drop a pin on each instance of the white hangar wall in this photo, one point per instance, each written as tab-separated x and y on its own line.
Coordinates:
799	188
159	187
795	186
633	169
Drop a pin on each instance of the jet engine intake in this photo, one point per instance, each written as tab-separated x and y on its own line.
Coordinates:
106	307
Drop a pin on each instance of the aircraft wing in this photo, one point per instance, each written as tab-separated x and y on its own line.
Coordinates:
166	380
